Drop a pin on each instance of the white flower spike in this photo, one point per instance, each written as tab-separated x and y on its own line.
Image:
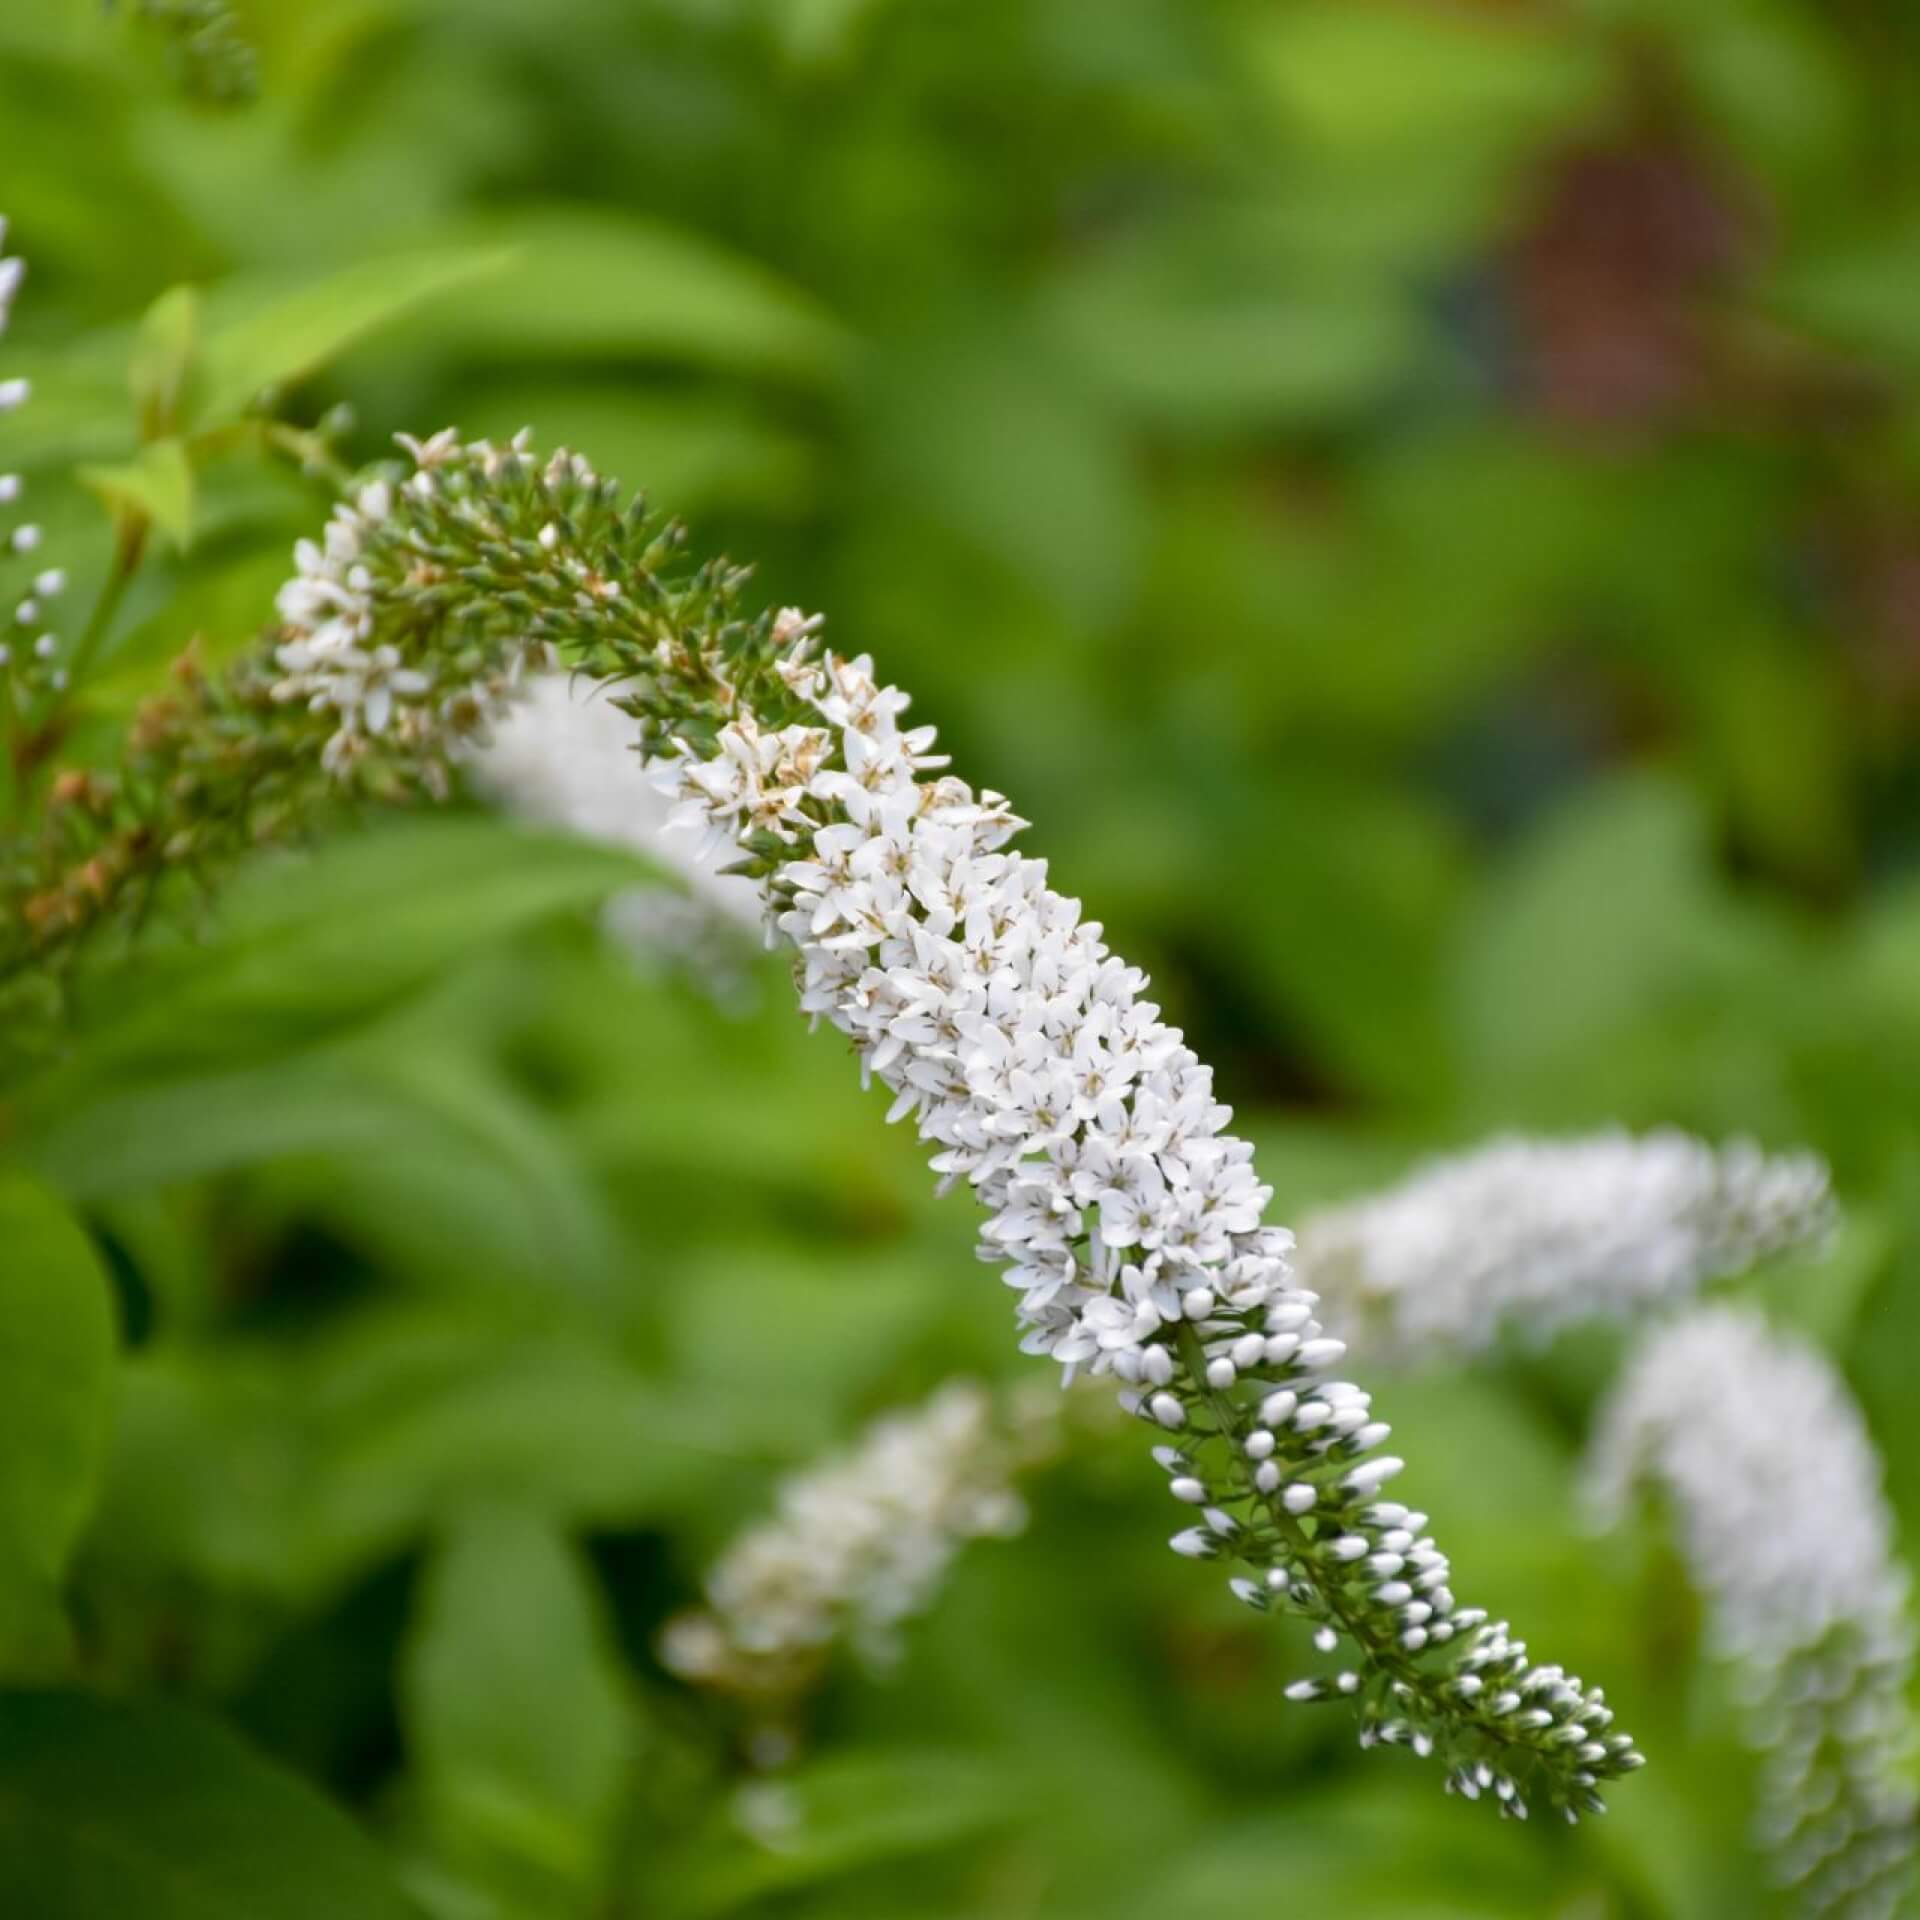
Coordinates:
1129	1222
856	1546
1775	1485
1532	1236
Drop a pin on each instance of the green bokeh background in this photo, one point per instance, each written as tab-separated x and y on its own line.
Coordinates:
1419	502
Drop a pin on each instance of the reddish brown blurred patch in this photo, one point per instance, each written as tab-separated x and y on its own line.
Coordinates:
1612	283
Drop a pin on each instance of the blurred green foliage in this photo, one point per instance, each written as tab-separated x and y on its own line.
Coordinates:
1421	502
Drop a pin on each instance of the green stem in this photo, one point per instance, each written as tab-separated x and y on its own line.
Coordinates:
1231	1421
129	548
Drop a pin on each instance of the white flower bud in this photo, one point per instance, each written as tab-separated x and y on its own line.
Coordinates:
1373	1473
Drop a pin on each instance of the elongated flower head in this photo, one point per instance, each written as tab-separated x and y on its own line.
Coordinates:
856	1546
1127	1219
1531	1236
1775	1487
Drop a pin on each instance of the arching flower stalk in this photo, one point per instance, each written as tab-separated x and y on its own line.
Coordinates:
857	1545
1532	1236
565	755
1129	1222
1775	1487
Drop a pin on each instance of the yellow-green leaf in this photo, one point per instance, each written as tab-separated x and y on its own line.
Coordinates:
56	1364
156	485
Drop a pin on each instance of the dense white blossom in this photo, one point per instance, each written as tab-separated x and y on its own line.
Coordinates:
329	657
1531	1236
1129	1221
856	1546
1125	1217
1020	1045
1776	1490
565	755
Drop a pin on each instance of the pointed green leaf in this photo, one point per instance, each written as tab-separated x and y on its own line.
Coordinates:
56	1361
284	336
309	945
156	485
146	1813
164	351
516	1714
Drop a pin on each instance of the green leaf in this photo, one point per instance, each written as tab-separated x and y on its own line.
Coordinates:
307	945
558	1427
164	353
155	485
516	1715
1866	298
437	1164
56	1366
143	1811
280	337
594	283
840	1814
1660	978
1405	77
290	1473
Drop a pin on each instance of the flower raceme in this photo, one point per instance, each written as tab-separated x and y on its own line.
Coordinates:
1129	1223
1532	1236
1775	1486
856	1547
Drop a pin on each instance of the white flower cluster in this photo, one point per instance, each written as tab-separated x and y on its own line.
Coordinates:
1006	1027
856	1546
32	633
1534	1235
1130	1221
565	755
1776	1487
327	609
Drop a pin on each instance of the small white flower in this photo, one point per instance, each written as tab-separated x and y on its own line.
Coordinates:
856	1546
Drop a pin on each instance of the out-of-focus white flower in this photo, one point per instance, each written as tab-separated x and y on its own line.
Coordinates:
855	1547
1531	1236
1776	1489
565	755
24	538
